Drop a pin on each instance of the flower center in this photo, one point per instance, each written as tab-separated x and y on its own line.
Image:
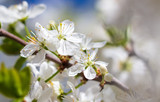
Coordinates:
61	36
89	63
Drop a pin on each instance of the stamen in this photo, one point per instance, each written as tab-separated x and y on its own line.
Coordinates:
60	28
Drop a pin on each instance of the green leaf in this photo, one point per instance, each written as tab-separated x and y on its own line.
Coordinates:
25	76
14	84
18	100
0	25
10	47
10	82
19	63
118	37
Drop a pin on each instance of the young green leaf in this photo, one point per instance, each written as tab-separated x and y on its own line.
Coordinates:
14	84
19	63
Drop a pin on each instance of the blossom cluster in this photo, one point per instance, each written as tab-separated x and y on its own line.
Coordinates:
50	82
66	44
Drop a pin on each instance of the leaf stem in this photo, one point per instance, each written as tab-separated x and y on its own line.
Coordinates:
52	76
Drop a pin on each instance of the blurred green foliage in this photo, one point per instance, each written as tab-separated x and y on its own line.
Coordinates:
19	63
9	46
14	84
118	37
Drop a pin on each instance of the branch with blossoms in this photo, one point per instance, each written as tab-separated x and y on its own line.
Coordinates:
73	54
111	81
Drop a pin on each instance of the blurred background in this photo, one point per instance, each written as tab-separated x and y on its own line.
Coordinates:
93	17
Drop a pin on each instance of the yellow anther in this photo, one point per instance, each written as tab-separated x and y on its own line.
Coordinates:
51	83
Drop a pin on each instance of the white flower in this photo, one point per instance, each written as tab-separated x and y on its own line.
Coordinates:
67	40
37	43
87	64
56	86
87	44
118	55
44	72
39	92
20	11
90	94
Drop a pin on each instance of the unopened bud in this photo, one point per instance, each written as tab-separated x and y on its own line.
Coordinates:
108	77
52	22
103	70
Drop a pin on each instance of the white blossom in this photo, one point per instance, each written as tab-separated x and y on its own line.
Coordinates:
87	64
66	39
44	71
87	44
19	11
38	42
39	92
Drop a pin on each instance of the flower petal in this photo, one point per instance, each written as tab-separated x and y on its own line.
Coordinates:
93	54
101	63
37	10
98	44
29	49
75	69
41	32
45	70
39	57
34	70
6	16
45	95
85	45
75	37
90	73
36	90
72	87
67	48
66	27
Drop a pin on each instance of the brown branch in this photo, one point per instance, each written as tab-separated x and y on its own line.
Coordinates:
22	42
114	81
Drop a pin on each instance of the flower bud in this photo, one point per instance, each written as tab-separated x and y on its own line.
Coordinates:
108	77
52	22
103	70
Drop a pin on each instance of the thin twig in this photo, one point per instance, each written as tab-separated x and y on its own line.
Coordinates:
22	42
114	81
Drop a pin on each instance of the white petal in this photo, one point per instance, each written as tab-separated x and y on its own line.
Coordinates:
6	16
75	37
39	57
57	87
66	27
36	90
37	10
90	73
72	87
85	45
29	49
46	94
25	5
41	32
98	44
101	63
45	70
67	48
93	54
75	69
34	70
